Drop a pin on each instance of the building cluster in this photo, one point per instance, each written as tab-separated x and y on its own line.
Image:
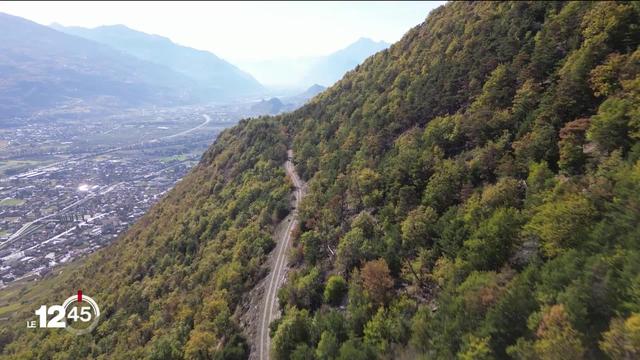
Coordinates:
91	193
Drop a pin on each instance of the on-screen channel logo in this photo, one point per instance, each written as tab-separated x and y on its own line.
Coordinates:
78	314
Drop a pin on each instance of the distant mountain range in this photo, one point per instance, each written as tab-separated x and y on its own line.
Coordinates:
276	105
218	78
323	70
41	68
114	66
312	91
268	107
329	69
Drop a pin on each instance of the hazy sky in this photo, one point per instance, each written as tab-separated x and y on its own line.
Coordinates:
242	31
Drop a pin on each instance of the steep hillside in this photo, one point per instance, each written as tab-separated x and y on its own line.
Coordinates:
219	78
169	287
474	193
41	68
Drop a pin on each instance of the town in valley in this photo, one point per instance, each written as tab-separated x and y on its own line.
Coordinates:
71	182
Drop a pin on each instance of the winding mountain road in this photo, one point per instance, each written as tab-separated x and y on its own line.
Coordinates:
276	275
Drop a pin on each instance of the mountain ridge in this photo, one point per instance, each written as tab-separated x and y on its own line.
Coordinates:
43	67
220	77
330	68
324	70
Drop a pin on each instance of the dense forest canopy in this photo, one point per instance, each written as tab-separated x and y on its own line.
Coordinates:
479	183
474	193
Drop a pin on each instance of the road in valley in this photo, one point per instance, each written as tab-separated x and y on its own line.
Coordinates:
27	226
276	276
23	230
207	119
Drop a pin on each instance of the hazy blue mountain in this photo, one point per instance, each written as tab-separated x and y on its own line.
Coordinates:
303	72
312	91
277	105
221	79
300	99
329	69
268	107
41	67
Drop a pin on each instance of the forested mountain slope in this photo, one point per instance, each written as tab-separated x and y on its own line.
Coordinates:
479	184
474	193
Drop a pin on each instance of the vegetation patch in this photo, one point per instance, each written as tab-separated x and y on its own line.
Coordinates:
11	202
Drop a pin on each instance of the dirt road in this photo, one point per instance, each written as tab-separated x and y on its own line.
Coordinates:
276	276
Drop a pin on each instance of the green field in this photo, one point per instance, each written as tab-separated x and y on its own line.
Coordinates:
181	157
11	167
11	202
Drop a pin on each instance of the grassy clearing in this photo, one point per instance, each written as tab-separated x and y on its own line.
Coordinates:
181	157
11	202
10	167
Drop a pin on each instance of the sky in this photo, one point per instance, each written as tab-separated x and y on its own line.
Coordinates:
246	31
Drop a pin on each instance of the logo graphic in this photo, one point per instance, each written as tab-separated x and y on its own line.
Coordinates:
78	314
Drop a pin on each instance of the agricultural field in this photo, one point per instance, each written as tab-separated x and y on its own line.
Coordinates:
11	202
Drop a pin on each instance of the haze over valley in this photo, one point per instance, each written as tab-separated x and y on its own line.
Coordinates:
304	72
97	124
